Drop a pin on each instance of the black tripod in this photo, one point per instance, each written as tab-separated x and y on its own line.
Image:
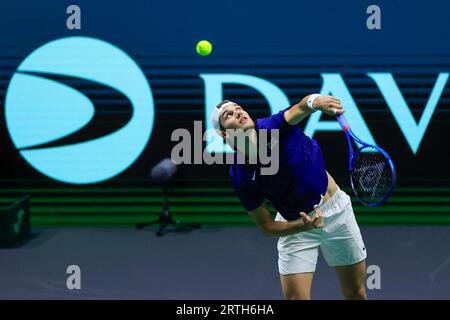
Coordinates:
165	218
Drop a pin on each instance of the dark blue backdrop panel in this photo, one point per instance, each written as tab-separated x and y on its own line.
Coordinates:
291	44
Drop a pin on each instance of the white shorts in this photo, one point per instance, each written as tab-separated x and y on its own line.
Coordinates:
339	240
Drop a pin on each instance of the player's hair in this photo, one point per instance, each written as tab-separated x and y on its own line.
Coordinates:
222	103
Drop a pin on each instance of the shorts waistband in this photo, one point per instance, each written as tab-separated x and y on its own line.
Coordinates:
339	198
336	200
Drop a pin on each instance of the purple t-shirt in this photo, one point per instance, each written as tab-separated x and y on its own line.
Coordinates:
301	178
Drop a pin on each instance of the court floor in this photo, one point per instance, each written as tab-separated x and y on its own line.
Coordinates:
211	263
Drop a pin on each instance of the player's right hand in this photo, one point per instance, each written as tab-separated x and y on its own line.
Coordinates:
329	105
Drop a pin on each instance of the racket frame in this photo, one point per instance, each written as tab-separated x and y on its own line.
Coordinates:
350	135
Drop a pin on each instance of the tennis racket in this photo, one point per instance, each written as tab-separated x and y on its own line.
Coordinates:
372	171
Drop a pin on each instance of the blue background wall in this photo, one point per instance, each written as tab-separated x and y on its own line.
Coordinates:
289	43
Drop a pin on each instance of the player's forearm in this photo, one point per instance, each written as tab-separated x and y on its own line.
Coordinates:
298	112
282	229
327	104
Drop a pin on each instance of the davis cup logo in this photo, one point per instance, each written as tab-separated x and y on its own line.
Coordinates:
60	119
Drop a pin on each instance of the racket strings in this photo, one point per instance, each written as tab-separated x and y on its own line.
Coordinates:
371	175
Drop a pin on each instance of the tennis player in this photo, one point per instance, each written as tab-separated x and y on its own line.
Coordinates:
312	211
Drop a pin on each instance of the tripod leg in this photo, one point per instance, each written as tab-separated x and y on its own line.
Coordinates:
145	224
164	219
161	229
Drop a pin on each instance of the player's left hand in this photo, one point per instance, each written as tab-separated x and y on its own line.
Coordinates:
313	222
318	223
329	105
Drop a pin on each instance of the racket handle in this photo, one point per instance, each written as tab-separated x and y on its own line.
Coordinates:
343	122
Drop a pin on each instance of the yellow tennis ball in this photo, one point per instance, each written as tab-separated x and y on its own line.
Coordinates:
204	47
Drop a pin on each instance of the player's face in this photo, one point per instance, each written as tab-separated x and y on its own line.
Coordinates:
234	117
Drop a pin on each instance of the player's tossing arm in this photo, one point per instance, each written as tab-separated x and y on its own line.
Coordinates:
327	104
262	218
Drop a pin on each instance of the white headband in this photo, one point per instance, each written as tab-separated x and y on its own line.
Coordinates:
216	113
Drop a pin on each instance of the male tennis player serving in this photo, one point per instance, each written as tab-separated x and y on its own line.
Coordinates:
300	184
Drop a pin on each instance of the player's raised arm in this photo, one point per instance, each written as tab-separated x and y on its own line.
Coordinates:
309	104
